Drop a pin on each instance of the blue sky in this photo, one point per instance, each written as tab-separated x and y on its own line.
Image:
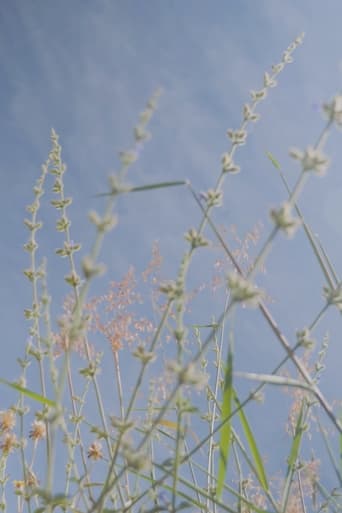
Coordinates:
88	68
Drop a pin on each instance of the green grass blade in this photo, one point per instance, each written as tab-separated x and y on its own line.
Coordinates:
148	187
291	461
226	430
273	160
32	395
259	466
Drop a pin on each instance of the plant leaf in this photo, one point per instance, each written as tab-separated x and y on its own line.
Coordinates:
259	466
148	187
226	430
29	393
273	160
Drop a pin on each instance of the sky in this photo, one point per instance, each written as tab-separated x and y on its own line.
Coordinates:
88	68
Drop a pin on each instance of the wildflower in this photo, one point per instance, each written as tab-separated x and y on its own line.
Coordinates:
18	484
258	95
195	239
243	290
7	420
103	224
269	81
333	110
277	68
140	134
128	157
284	220
287	57
228	165
212	197
38	430
334	296
312	159
173	290
238	137
95	451
8	443
248	114
304	339
143	355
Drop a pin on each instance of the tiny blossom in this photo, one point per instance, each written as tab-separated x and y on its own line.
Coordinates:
284	220
269	81
172	290
8	443
258	95
140	134
38	430
228	165
238	137
277	68
287	57
213	198
7	420
128	157
333	110
95	451
304	338
248	114
195	239
143	355
18	484
312	159
334	296
243	290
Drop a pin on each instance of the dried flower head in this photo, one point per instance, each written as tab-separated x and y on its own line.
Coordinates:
304	338
38	430
243	290
8	443
284	220
195	239
95	451
334	296
333	110
7	420
228	165
238	137
312	159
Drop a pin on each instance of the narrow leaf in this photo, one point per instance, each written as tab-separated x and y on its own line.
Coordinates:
148	187
259	466
29	393
226	409
291	461
273	160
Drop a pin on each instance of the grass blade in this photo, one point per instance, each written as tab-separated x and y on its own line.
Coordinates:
291	461
226	430
259	466
273	160
32	395
140	188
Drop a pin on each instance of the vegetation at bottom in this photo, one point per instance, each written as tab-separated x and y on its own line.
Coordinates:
136	405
